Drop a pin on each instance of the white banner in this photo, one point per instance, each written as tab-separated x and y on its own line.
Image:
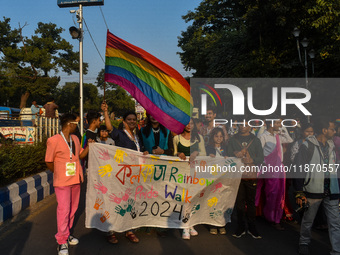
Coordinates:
127	190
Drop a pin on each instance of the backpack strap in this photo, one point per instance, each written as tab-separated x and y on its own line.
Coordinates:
310	152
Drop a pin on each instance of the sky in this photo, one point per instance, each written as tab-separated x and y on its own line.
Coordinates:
153	25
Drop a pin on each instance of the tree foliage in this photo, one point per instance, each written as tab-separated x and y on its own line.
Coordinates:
29	66
67	97
247	38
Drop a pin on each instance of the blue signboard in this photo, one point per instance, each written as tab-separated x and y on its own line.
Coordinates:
75	3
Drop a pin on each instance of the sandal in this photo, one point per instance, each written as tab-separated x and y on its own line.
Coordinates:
213	231
222	231
112	238
132	237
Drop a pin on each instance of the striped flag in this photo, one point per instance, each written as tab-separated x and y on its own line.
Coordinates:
159	88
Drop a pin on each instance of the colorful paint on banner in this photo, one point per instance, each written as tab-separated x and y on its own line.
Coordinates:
127	190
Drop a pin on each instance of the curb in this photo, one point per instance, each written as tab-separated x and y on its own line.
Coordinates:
22	194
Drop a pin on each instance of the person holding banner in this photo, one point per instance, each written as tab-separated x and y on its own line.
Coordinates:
62	157
217	148
127	137
248	147
156	138
189	144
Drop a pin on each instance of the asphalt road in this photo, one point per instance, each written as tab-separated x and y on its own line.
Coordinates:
33	230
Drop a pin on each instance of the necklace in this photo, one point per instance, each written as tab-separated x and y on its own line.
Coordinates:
155	131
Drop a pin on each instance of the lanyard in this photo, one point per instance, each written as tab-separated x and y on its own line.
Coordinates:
70	147
131	138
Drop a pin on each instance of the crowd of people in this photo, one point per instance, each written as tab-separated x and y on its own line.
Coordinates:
259	193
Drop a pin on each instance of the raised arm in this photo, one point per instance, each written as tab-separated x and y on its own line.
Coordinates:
108	124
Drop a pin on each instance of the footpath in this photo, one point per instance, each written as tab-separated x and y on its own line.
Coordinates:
32	232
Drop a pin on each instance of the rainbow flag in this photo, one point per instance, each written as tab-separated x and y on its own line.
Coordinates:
159	88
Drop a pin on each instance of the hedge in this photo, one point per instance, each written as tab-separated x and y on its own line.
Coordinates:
18	162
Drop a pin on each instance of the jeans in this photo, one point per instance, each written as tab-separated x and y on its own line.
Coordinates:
333	217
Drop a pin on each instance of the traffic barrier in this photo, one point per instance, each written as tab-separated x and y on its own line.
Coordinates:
22	194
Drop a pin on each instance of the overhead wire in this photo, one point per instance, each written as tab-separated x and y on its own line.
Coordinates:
95	45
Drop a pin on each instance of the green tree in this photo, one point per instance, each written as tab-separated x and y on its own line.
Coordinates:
29	65
67	97
229	38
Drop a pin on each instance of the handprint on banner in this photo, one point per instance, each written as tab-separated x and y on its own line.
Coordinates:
105	216
215	214
100	187
103	170
216	187
193	163
120	210
126	195
213	201
133	213
131	203
119	156
104	154
230	162
97	204
213	170
114	198
195	208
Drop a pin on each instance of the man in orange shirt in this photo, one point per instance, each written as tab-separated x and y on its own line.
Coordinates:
62	158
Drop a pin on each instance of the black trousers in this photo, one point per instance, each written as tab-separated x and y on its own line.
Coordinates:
245	202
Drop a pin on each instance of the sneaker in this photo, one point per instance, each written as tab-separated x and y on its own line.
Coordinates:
63	249
303	249
72	240
253	232
193	232
239	232
213	231
186	234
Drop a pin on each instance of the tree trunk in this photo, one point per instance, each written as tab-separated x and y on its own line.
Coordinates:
23	100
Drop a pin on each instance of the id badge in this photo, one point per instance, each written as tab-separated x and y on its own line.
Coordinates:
70	169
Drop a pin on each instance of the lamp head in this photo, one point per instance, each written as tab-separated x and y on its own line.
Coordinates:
75	32
296	32
311	54
304	42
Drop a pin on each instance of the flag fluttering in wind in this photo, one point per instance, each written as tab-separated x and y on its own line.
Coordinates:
159	88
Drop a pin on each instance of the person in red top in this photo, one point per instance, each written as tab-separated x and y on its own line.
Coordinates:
62	158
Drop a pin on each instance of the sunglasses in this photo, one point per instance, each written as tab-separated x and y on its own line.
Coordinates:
73	122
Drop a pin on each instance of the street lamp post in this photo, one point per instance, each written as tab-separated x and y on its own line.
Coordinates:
78	34
304	42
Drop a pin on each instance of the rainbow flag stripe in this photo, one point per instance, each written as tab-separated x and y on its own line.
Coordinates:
159	88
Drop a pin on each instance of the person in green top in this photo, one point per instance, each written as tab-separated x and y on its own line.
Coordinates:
247	146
